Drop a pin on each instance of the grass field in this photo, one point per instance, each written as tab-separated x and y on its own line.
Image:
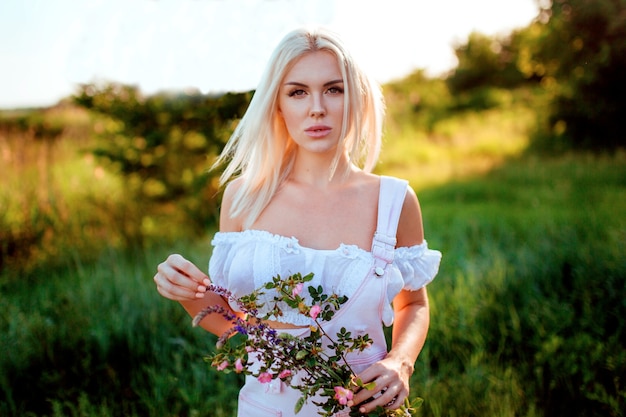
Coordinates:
527	310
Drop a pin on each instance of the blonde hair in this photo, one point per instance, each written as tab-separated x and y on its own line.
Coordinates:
261	151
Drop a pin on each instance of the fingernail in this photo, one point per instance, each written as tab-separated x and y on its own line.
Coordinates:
201	288
199	295
206	282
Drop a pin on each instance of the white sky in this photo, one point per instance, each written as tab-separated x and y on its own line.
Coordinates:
47	47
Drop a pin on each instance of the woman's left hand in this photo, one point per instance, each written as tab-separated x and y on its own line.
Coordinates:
392	385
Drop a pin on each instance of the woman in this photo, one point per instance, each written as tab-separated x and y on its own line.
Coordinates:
300	197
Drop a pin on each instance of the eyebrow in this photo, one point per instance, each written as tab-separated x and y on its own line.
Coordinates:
337	81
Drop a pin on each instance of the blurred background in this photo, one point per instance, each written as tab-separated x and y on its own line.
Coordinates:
506	117
216	46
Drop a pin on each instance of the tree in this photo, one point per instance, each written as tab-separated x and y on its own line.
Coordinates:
162	147
486	61
582	52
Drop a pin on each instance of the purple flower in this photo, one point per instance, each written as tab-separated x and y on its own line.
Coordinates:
241	330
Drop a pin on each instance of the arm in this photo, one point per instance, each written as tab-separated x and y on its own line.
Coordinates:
180	280
412	314
412	319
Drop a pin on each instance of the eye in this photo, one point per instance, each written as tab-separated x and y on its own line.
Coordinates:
335	90
296	92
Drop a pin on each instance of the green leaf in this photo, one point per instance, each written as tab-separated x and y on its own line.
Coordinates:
299	405
369	386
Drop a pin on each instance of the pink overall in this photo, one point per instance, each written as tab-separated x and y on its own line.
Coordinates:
363	313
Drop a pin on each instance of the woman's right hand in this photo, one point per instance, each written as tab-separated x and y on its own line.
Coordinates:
180	280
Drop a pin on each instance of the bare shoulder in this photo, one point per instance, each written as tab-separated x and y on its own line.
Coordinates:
365	189
227	222
410	227
368	181
232	187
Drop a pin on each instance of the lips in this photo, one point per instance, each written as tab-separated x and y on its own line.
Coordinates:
318	131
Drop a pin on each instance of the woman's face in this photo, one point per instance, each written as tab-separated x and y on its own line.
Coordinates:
311	102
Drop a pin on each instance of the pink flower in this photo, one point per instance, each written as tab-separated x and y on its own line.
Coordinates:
265	377
284	373
222	366
343	395
297	289
315	311
238	366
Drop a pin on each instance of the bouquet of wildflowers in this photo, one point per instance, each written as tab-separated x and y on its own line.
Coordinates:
319	359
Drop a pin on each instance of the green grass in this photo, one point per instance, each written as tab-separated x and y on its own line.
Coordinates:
527	308
526	311
458	146
98	340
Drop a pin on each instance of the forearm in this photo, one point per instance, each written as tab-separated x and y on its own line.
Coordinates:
412	319
215	323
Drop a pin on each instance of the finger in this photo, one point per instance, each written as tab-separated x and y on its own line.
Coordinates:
187	268
168	277
371	374
175	285
184	273
365	397
397	394
177	293
385	398
389	392
395	402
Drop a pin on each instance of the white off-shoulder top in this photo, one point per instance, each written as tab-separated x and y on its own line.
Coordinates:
244	261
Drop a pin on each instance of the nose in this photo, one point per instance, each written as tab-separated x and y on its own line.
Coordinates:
318	109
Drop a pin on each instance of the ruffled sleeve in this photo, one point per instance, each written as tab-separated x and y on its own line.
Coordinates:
418	265
218	264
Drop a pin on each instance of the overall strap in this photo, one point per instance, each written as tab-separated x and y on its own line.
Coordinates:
390	201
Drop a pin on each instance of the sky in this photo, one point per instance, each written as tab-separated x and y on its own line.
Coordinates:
49	47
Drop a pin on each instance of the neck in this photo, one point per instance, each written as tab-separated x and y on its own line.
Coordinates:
316	170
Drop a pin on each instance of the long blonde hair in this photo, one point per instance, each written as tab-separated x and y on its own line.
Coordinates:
261	150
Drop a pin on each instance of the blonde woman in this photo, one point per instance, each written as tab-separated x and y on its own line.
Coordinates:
300	196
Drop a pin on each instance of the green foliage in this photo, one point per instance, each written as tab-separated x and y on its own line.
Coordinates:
485	61
96	339
162	146
582	52
529	300
459	144
526	313
38	124
576	49
318	358
416	101
45	206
